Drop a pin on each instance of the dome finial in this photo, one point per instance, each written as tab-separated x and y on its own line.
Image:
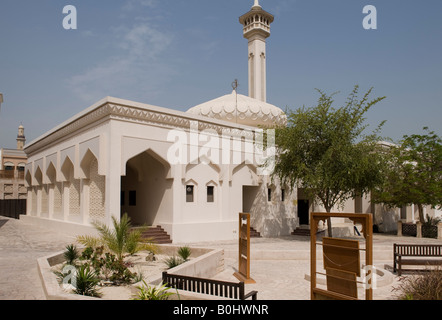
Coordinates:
256	4
235	85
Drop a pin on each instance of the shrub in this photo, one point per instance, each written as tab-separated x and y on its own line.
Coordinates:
108	266
427	286
173	261
184	252
183	256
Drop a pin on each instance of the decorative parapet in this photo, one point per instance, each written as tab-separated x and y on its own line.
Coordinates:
117	109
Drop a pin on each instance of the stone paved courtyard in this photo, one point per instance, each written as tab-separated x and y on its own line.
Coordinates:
279	278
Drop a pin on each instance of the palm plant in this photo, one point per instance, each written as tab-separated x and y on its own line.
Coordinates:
120	239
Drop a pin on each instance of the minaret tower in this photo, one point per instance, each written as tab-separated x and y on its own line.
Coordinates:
256	24
21	138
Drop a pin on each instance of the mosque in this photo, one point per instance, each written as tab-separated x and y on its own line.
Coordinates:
191	173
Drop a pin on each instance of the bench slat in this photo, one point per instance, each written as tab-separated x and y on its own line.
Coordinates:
416	250
208	286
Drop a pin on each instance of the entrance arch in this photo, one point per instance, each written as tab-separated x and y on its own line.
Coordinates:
146	189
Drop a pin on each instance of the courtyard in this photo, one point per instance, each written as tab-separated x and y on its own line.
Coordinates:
280	266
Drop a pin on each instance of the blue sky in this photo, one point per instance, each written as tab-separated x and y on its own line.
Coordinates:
178	54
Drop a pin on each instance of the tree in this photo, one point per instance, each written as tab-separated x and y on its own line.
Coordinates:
415	173
325	151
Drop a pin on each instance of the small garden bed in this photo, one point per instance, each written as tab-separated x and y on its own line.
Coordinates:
108	279
108	266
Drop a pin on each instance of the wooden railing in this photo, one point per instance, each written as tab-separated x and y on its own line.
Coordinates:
233	290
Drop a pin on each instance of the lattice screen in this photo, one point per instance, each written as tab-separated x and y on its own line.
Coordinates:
74	196
44	199
34	201
96	192
57	197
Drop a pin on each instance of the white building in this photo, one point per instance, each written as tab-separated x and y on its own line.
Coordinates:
190	172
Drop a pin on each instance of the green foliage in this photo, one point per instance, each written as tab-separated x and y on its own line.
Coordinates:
325	150
87	253
432	221
184	252
71	254
414	174
108	267
173	261
147	292
120	239
422	287
86	282
183	256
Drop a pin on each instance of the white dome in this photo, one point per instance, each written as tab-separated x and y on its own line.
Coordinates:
241	109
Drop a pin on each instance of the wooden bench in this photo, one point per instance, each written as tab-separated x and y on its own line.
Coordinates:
426	255
233	290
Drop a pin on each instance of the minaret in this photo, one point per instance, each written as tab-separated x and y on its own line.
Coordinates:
21	138
256	24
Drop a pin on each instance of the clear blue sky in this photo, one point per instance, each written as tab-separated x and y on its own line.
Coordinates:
178	54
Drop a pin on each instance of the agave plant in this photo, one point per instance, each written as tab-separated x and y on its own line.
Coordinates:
147	292
184	252
86	282
71	254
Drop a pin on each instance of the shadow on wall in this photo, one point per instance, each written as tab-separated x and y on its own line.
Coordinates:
386	218
271	218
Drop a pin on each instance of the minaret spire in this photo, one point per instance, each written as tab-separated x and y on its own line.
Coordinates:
21	137
256	24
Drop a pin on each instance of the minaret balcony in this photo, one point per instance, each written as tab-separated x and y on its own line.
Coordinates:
257	26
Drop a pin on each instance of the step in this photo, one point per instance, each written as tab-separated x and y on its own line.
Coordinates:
156	234
254	233
305	232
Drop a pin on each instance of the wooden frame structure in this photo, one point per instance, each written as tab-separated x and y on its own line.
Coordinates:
243	273
366	220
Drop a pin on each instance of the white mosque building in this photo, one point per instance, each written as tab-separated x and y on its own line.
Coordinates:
190	172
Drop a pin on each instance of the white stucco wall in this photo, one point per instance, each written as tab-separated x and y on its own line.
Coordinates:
131	144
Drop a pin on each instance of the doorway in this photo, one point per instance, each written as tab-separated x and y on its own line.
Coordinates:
249	196
303	212
146	193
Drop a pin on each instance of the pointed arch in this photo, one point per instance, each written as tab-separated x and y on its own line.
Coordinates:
66	169
51	173
146	193
28	178
38	175
85	163
138	163
249	173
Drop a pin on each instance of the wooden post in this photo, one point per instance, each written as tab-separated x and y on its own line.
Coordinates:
243	273
313	229
369	256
